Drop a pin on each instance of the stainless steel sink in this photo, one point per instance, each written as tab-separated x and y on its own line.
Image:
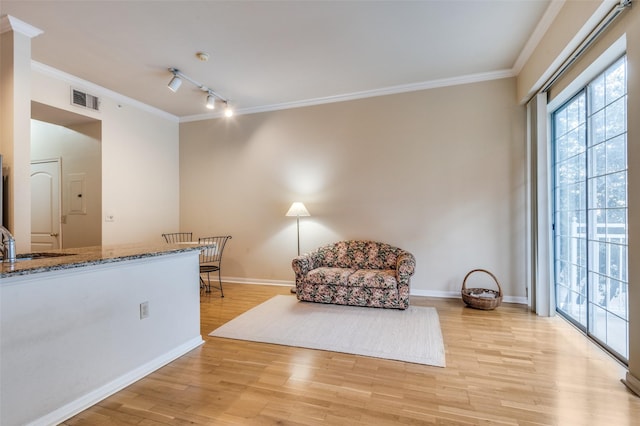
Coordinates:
41	255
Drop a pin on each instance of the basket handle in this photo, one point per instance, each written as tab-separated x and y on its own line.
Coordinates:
464	282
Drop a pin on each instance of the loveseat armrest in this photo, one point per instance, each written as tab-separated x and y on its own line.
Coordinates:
303	264
405	267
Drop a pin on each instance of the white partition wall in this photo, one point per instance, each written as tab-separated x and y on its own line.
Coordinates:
73	337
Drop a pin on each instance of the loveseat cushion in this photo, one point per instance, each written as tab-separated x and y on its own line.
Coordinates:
374	278
326	275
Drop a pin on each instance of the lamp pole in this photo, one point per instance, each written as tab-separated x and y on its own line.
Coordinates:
297	209
298	227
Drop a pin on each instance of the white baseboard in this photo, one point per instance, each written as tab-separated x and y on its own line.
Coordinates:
71	409
456	295
632	383
515	299
414	292
258	281
438	294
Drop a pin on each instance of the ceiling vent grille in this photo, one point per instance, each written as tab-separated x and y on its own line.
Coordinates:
83	99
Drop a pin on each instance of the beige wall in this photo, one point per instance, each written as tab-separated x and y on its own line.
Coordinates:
438	172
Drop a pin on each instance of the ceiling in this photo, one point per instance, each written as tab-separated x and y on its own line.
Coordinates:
275	54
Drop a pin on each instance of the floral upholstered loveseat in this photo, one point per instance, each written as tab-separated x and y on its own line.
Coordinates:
360	273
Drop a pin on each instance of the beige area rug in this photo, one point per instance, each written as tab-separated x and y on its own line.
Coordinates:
412	335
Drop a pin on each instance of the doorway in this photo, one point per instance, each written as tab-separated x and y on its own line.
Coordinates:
590	209
77	141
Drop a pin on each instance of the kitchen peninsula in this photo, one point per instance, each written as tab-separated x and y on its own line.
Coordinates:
78	327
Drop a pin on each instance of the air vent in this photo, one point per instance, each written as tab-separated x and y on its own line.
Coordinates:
80	98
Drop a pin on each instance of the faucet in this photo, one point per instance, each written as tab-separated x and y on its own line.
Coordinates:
8	245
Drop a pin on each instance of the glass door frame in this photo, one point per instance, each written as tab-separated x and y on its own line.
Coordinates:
598	285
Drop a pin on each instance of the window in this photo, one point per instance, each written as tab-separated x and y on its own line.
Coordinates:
590	209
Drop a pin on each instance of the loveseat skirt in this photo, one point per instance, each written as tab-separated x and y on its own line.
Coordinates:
375	297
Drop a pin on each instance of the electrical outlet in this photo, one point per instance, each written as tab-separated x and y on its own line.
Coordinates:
109	218
144	310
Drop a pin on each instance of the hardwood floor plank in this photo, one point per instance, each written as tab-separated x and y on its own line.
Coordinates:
504	367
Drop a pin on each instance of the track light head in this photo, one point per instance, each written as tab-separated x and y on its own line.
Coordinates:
175	82
228	112
211	101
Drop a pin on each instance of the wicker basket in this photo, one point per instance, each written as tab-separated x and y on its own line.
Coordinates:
481	298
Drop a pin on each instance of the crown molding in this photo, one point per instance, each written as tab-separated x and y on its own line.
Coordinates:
11	23
543	25
392	90
99	90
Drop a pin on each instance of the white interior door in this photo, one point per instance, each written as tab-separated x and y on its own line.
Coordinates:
45	205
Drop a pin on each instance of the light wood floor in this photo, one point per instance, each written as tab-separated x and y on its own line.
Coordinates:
504	367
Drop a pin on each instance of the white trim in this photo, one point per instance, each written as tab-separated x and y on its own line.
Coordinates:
436	294
392	90
456	295
545	22
515	299
258	281
425	293
69	410
98	90
11	23
632	383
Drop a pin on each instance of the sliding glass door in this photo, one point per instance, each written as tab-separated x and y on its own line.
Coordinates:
590	209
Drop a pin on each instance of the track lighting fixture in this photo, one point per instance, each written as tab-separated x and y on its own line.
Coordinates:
211	101
176	81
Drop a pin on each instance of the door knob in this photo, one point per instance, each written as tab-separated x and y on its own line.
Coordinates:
55	234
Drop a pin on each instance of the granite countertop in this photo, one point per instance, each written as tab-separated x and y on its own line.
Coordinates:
87	256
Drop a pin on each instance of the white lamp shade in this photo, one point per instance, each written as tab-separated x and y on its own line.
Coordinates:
298	209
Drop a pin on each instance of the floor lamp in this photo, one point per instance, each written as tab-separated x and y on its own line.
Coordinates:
297	209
